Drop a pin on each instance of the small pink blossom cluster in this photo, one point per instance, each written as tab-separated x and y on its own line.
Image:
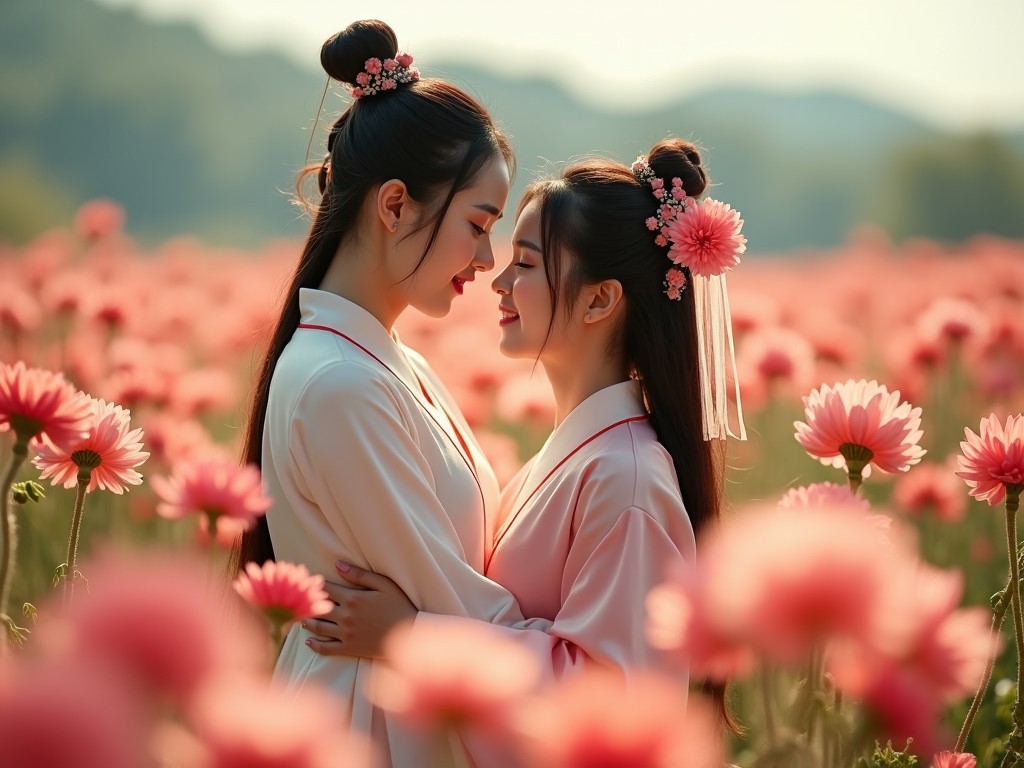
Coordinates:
385	75
703	238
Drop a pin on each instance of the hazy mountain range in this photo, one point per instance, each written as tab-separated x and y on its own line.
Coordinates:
191	139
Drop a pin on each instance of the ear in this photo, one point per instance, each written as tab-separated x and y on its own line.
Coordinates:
392	204
602	300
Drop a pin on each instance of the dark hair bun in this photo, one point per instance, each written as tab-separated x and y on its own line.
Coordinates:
673	158
344	54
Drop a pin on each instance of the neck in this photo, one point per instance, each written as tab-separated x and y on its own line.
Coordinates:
357	274
573	381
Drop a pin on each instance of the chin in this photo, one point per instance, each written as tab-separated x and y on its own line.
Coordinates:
436	310
513	351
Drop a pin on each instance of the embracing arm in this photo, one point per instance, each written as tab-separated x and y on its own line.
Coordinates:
357	457
609	572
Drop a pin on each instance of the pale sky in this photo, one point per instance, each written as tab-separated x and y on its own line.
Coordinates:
955	64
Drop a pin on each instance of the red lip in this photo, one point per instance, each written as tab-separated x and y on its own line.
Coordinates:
458	282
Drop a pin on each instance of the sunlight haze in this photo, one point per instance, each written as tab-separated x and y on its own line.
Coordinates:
957	66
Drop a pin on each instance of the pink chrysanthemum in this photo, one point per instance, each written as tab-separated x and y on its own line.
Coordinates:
992	463
954	760
706	238
860	423
110	450
284	592
41	404
214	489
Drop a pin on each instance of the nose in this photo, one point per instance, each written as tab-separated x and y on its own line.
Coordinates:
484	260
501	284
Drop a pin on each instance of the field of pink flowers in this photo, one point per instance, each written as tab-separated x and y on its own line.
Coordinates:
843	613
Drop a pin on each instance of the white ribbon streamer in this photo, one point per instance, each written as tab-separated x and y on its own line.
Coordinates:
716	358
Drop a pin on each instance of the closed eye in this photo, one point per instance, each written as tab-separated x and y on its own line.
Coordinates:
478	229
522	265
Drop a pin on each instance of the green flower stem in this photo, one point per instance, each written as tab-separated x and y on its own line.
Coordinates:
84	474
769	717
997	624
8	530
814	668
1012	504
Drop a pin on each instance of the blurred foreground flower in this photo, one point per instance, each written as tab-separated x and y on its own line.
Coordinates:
859	423
158	619
819	586
453	675
57	714
246	723
599	720
284	593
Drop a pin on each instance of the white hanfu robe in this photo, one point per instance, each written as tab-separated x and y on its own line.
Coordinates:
585	530
368	460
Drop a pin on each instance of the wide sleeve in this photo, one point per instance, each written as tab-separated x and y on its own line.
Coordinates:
360	462
608	574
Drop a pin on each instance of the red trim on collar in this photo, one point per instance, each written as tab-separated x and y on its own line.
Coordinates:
511	518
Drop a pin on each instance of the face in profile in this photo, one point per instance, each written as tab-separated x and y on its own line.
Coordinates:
525	299
463	244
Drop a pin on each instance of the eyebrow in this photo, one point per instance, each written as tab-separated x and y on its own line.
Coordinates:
490	209
527	244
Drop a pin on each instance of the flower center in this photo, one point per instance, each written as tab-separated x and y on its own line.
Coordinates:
86	459
856	454
1009	472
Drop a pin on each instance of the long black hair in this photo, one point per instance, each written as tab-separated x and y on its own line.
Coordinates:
429	133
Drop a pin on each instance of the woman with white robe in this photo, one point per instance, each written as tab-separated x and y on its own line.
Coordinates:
363	452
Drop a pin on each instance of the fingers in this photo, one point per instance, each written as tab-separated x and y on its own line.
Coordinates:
361	577
325	630
339	593
325	647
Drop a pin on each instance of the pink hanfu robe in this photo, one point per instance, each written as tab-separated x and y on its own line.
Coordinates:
368	460
585	530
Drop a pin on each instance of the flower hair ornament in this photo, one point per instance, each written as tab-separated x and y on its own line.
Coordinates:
378	76
704	242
